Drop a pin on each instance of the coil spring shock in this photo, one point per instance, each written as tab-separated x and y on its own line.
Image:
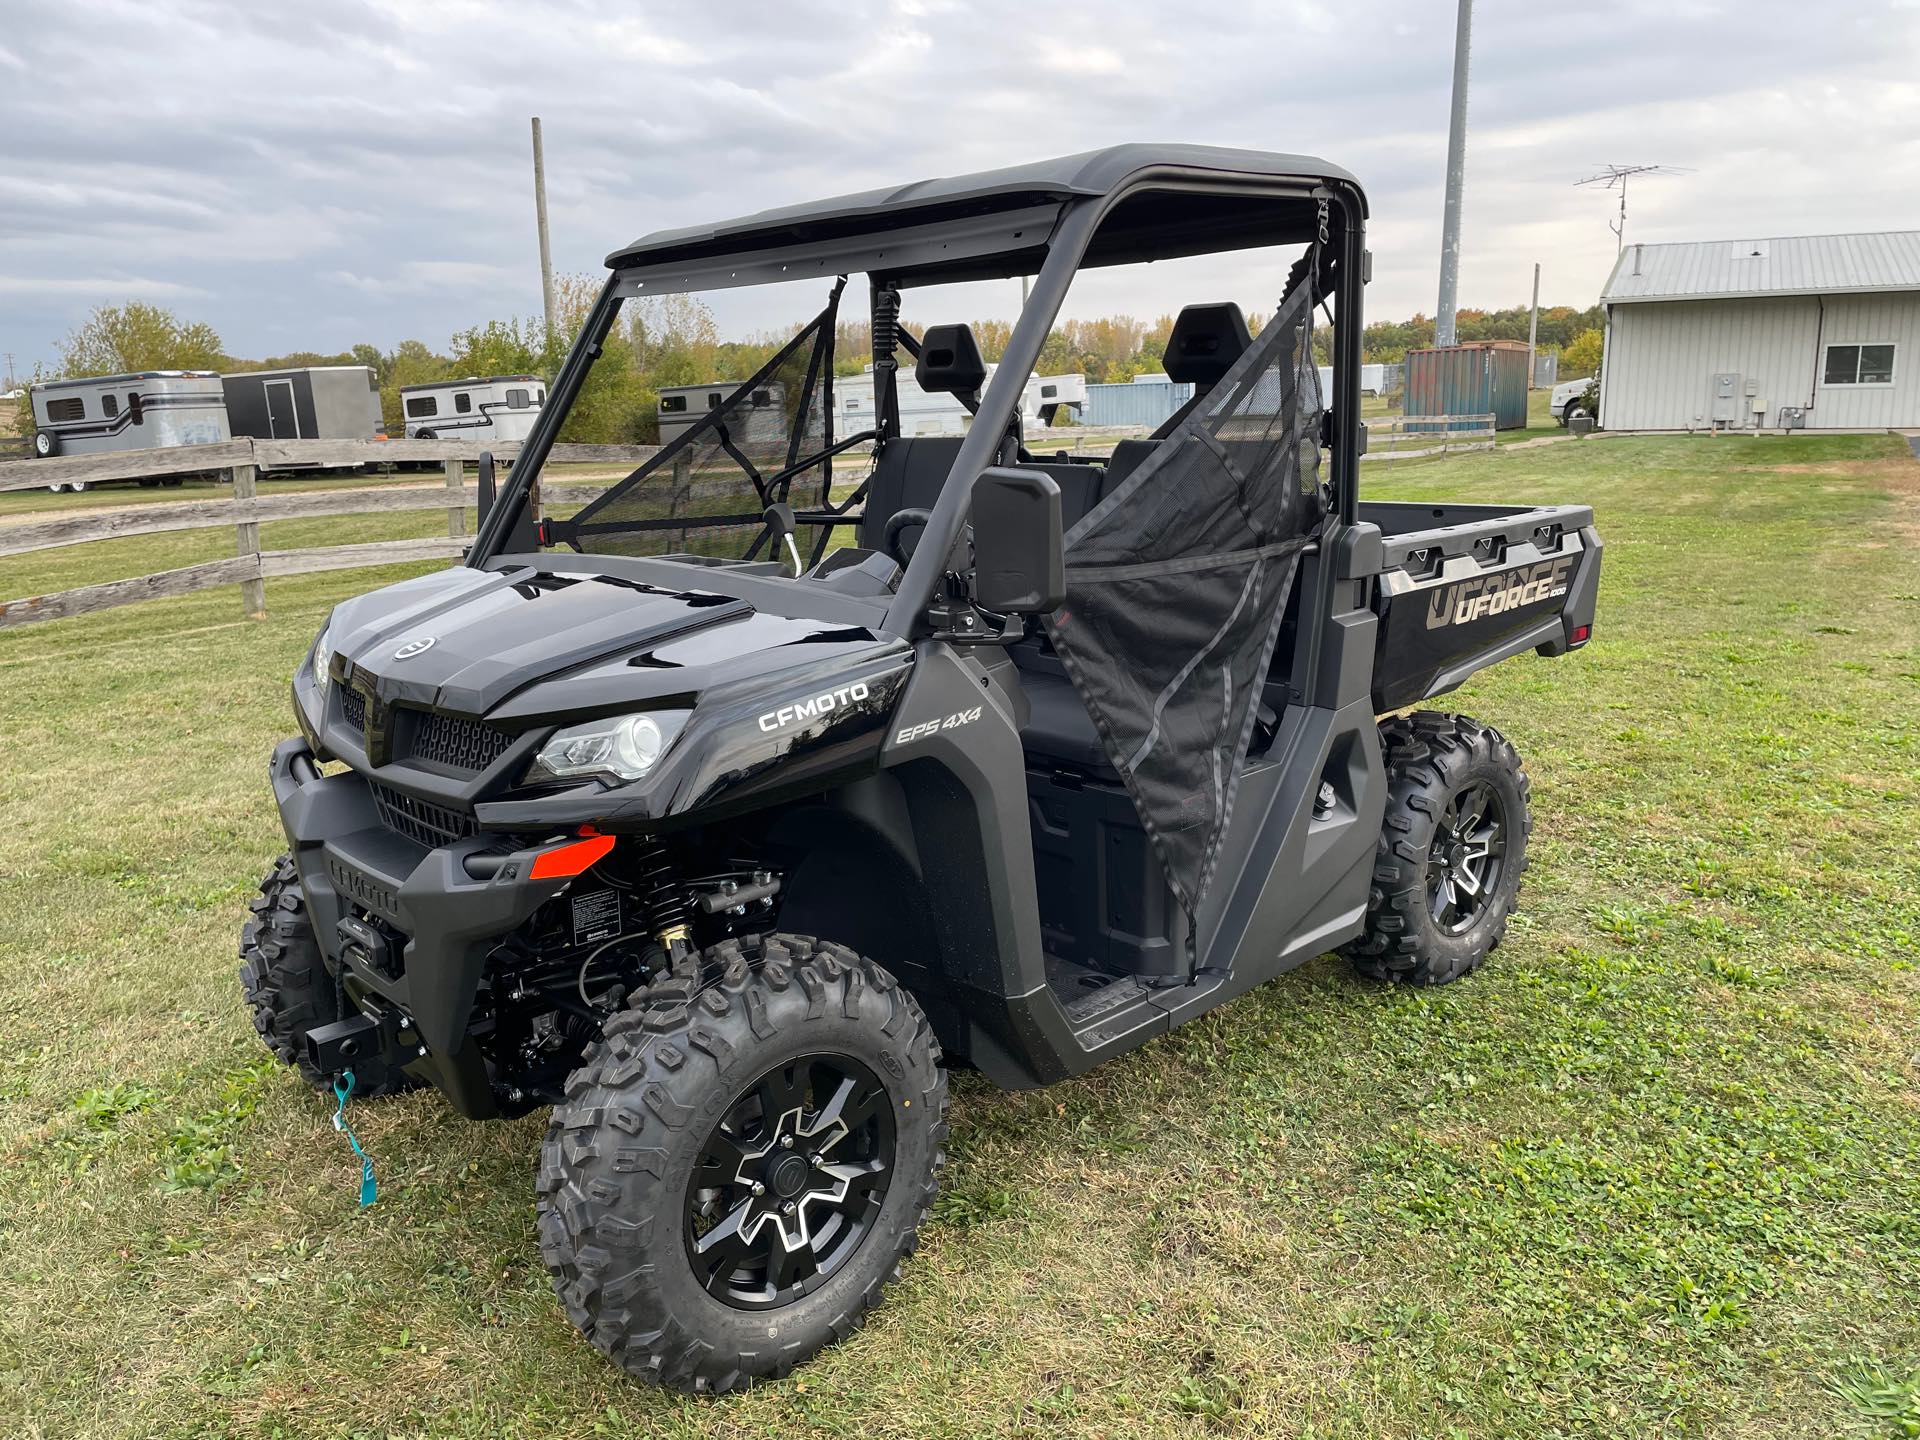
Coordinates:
666	901
886	327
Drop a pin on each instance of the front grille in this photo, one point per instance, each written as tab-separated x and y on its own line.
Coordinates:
457	742
421	821
353	707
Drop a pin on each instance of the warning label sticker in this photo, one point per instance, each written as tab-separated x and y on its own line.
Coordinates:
596	916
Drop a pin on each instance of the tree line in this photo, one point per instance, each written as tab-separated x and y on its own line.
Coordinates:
674	340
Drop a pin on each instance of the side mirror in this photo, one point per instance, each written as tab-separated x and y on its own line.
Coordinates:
1019	563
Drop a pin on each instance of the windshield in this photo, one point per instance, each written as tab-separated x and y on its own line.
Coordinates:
730	447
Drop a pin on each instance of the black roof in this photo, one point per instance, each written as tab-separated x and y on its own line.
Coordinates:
1092	173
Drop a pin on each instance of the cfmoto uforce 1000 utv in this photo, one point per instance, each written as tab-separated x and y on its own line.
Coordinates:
724	839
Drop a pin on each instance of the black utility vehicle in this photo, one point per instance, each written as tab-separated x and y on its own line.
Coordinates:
724	842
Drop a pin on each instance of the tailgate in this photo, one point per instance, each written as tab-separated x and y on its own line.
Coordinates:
1457	598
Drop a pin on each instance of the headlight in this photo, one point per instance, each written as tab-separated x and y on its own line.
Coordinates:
323	659
621	747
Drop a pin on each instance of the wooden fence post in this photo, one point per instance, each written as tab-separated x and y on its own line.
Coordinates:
456	498
253	592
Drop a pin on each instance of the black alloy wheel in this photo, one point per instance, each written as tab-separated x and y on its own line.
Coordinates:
1468	857
1451	854
790	1181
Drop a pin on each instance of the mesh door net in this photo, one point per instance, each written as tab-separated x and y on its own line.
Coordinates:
707	491
1176	584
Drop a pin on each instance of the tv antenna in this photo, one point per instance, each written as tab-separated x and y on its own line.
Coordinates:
1615	177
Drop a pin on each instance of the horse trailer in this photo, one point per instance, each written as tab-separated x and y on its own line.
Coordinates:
310	402
146	411
492	407
931	413
681	406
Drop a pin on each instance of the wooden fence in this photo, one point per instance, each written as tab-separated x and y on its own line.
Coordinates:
245	509
1408	437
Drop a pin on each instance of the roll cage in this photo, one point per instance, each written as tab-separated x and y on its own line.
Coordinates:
1050	220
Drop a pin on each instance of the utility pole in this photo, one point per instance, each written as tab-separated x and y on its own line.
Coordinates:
1533	323
1444	329
540	211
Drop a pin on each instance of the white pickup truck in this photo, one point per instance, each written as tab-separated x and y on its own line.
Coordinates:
1568	398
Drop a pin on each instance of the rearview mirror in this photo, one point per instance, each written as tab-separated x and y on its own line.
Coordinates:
1019	564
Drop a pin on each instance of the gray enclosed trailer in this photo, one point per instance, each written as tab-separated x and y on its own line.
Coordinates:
150	410
310	402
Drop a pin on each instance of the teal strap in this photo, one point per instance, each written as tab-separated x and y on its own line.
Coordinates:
342	1088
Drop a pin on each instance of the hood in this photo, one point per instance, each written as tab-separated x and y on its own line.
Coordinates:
464	639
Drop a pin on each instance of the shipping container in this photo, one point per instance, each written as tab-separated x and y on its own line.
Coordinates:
1488	377
1144	404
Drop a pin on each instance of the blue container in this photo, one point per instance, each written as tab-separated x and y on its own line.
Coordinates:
1145	404
1488	377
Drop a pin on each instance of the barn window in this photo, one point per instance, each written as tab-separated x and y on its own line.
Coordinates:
463	402
517	400
673	404
69	407
1859	365
421	406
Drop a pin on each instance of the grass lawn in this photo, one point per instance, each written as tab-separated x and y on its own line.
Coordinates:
1655	1171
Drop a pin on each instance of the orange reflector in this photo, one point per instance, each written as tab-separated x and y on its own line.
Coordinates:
565	861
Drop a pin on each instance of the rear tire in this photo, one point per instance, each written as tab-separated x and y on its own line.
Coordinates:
1452	850
287	986
737	1070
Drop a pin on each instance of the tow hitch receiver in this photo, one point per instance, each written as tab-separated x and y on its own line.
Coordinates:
343	1044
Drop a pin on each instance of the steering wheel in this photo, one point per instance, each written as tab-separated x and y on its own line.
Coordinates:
897	522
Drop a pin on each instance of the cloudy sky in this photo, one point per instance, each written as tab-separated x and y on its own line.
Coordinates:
308	176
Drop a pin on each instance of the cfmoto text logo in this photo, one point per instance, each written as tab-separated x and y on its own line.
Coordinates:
824	703
413	648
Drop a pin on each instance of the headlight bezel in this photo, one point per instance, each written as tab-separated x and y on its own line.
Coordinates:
620	749
320	659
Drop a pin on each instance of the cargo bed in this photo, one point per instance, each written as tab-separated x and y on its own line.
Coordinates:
1462	587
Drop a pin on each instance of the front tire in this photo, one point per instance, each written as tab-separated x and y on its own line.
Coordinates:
1452	850
287	986
742	1162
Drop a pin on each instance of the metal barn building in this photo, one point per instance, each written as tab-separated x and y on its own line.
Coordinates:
1813	331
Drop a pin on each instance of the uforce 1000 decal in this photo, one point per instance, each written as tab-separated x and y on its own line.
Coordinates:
1485	595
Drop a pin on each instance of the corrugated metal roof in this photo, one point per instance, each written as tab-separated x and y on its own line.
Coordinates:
1785	265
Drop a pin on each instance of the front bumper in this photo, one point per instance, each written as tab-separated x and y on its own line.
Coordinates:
448	918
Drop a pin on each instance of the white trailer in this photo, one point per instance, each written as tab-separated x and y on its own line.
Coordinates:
150	410
682	405
491	407
1041	400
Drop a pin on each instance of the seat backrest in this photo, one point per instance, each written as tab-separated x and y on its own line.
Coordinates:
1204	343
909	475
